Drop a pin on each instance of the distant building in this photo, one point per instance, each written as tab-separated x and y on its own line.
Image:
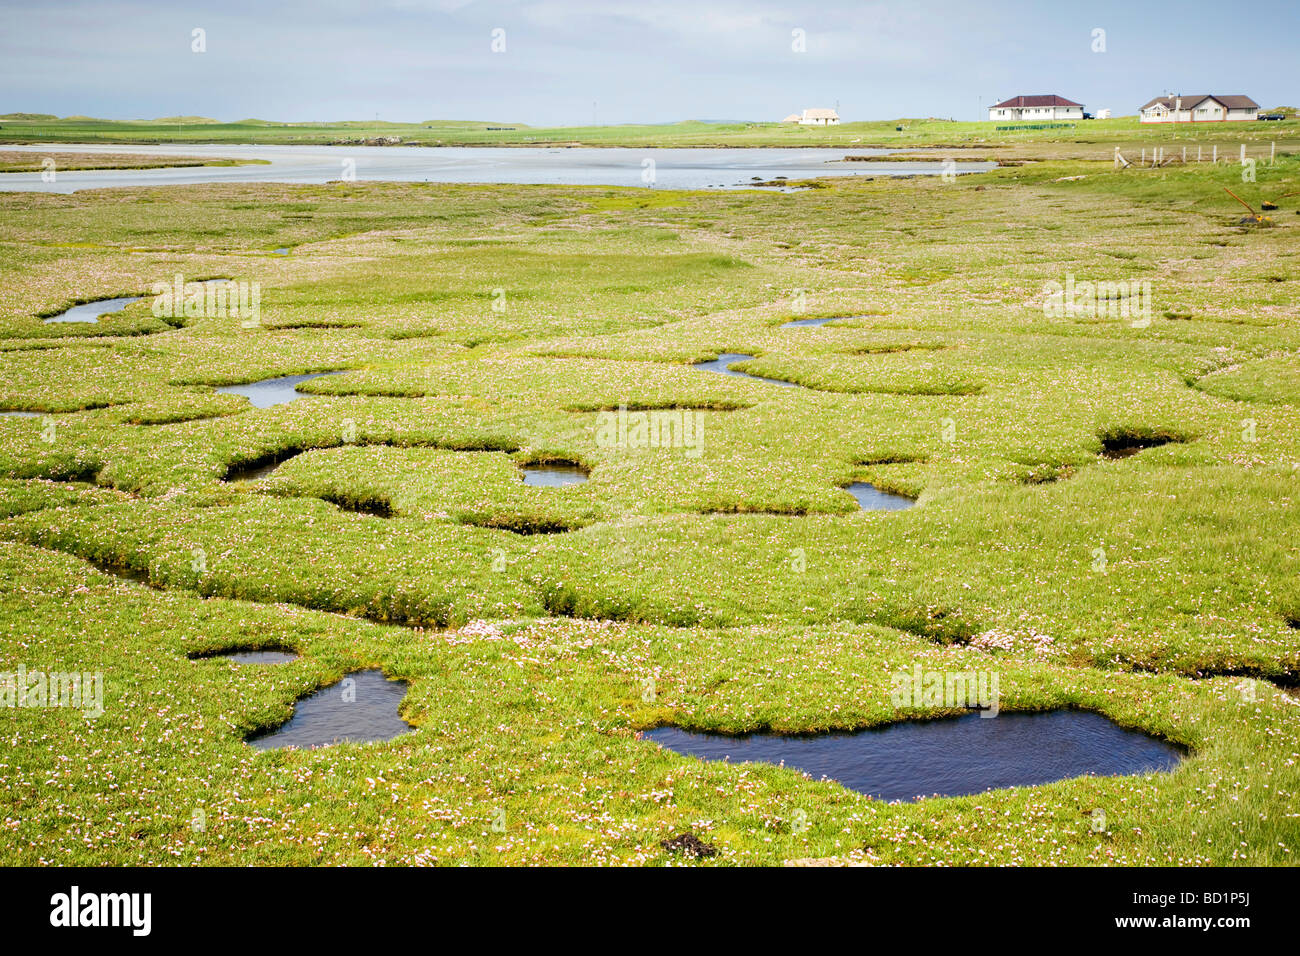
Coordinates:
1199	109
1103	114
819	117
1051	107
793	118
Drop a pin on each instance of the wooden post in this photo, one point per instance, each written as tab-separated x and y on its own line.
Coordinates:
1243	154
1214	158
1144	156
1184	155
1272	153
1117	157
1198	154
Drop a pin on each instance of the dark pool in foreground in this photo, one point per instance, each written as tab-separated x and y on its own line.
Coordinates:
361	711
272	391
871	498
948	758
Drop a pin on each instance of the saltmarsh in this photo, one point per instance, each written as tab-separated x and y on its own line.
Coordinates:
478	330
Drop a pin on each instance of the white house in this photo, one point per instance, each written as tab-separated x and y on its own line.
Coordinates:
1199	109
819	117
1036	108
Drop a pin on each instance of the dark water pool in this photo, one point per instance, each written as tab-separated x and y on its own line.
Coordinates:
273	391
360	708
947	758
259	657
554	476
91	311
722	364
253	473
871	498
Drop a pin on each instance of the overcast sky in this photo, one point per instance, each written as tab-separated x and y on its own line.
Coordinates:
653	61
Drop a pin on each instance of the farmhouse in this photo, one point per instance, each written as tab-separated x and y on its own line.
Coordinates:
1199	109
1051	107
793	118
819	117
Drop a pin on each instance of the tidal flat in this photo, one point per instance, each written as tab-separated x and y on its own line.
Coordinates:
475	332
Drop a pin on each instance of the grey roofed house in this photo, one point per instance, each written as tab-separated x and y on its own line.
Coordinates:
1198	108
1189	102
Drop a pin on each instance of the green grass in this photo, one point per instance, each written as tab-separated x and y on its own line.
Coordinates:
35	162
1095	137
486	327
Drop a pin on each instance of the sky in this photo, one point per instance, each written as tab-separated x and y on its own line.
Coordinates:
575	62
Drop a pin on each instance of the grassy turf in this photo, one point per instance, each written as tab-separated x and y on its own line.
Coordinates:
484	328
1086	139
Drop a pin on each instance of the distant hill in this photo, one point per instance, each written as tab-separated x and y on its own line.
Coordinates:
192	120
28	116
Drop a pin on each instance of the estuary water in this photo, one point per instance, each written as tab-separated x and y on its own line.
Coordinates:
569	166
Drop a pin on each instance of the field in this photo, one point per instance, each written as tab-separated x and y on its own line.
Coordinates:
482	328
1090	139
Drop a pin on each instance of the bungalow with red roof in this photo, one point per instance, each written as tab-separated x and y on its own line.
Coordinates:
1036	108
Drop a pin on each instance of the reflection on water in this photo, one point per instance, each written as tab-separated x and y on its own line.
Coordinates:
554	476
273	391
871	498
946	758
360	708
722	364
91	311
690	168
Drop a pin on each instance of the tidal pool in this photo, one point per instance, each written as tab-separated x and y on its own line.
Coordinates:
1127	448
554	476
361	708
91	311
257	657
871	498
946	758
273	391
252	473
802	323
722	365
